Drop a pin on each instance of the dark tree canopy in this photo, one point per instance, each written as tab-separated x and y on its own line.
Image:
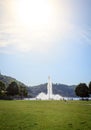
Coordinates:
2	87
82	90
90	87
12	89
22	91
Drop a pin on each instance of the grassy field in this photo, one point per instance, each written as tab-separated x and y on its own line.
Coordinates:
45	115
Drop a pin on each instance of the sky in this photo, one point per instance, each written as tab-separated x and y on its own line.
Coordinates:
41	38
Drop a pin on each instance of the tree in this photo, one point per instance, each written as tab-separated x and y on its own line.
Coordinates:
12	89
2	88
89	87
82	90
22	91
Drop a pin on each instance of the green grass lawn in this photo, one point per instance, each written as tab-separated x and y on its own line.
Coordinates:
45	115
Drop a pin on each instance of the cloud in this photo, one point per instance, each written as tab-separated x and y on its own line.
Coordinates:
85	34
17	37
33	37
23	40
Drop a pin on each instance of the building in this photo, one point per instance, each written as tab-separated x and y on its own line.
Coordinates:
49	95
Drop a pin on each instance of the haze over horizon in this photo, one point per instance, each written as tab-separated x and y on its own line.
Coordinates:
39	38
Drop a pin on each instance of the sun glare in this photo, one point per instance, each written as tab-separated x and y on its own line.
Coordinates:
38	23
33	13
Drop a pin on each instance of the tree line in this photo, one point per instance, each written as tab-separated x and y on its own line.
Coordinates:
83	90
19	91
12	91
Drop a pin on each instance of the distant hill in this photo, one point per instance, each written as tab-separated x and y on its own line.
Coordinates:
7	80
63	90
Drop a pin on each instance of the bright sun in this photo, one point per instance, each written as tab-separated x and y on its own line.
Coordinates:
33	13
38	23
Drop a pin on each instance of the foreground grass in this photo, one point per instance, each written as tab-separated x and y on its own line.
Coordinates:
45	115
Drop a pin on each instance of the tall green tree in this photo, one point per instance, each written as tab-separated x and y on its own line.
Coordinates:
22	91
12	89
82	90
89	87
2	88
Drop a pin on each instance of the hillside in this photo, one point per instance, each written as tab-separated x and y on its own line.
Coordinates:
7	80
63	90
